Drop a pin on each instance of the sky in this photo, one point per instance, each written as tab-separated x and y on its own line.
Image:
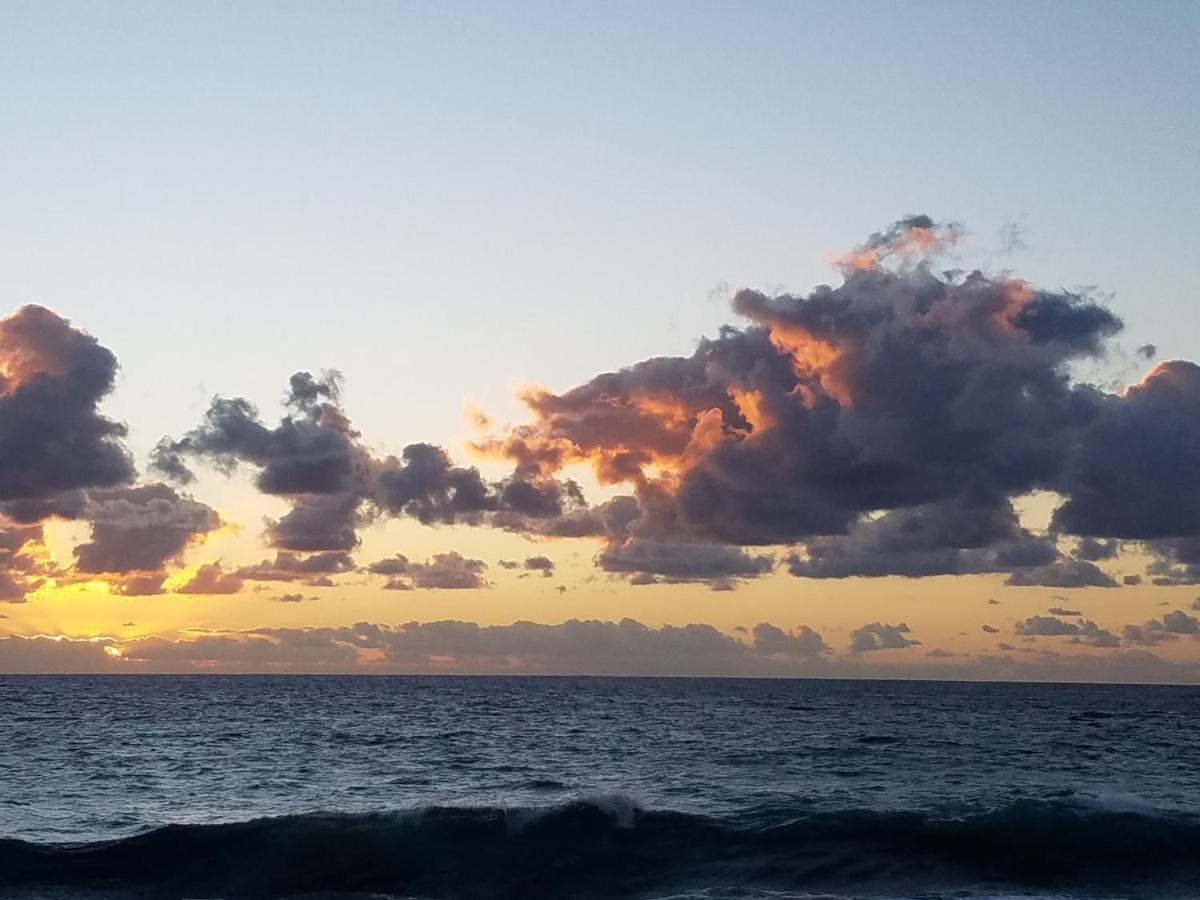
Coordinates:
697	338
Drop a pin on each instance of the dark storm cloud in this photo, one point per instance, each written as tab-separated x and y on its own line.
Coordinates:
1067	573
444	571
140	528
1086	632
877	636
52	438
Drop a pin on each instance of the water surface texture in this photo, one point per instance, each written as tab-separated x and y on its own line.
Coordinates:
589	787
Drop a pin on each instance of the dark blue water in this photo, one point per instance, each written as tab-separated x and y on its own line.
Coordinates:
574	787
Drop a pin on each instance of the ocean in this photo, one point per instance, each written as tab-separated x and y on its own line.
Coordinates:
215	786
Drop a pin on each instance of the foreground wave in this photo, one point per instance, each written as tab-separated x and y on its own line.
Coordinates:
608	848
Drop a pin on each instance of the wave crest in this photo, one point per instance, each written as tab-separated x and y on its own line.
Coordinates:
608	846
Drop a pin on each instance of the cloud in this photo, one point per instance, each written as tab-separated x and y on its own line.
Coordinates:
1175	561
878	636
885	423
21	570
542	564
292	598
1063	611
1136	472
950	538
210	578
681	562
1168	628
1086	632
572	647
803	643
312	569
990	629
1093	550
52	437
880	426
445	571
1069	573
316	460
939	653
142	584
140	528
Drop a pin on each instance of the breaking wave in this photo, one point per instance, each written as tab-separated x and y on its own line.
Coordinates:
608	847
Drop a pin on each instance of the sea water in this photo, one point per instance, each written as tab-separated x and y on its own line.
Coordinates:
214	786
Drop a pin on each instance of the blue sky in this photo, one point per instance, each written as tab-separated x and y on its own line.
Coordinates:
436	185
447	202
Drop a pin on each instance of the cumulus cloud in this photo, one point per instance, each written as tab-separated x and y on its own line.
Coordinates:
1174	561
21	571
140	528
211	578
950	538
445	571
292	598
1136	474
1085	632
572	647
52	437
939	653
803	643
674	562
542	564
880	426
1093	550
877	636
1168	628
885	424
313	569
1067	573
316	460
1063	611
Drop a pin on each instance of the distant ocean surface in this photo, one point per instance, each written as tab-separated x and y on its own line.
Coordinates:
595	787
